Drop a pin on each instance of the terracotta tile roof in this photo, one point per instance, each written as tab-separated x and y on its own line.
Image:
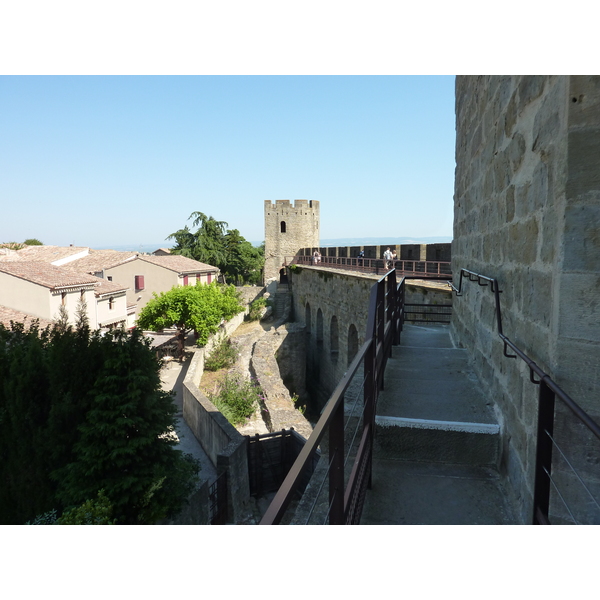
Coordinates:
10	314
48	254
180	264
45	274
97	260
107	287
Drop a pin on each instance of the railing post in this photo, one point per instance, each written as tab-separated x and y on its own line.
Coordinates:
543	458
336	469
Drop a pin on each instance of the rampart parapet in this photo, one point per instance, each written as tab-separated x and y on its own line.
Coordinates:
287	204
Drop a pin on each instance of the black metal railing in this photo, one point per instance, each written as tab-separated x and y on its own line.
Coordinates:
546	441
270	456
347	479
422	268
217	504
427	313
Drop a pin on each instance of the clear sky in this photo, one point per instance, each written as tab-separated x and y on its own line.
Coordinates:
105	161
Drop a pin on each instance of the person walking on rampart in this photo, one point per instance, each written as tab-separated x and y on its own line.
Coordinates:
361	256
387	256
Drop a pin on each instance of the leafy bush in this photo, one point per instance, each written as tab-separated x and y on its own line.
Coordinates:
223	356
91	512
256	308
236	398
101	423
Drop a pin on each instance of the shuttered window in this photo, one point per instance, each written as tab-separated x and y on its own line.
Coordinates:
139	282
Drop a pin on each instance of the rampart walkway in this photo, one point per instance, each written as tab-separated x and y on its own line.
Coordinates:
436	442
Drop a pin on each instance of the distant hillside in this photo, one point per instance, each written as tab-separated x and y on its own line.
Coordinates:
327	242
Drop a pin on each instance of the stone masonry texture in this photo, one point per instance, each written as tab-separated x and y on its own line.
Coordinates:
527	212
288	227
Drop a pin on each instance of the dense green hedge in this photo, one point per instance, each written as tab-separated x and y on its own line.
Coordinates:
79	413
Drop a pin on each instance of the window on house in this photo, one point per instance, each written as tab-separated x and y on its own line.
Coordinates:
208	277
139	282
109	277
185	280
63	298
283	227
111	303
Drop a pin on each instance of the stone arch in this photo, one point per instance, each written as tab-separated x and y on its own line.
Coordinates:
334	339
319	327
352	342
283	227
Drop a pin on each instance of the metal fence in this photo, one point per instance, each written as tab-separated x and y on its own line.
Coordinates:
347	430
422	268
217	503
270	457
566	477
427	313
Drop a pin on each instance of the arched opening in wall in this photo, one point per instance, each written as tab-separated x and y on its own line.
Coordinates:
319	332
283	226
307	318
334	340
283	278
352	343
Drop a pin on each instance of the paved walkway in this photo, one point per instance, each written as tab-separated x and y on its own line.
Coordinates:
437	441
172	375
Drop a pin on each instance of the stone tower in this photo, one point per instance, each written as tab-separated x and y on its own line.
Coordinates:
287	229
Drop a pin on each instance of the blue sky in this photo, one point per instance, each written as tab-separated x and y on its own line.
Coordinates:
105	161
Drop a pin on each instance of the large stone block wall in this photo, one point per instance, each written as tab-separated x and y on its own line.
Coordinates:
322	299
527	208
300	229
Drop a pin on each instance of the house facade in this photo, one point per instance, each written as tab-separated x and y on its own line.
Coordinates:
40	289
114	285
146	275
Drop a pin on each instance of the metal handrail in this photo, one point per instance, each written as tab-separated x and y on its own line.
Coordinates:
383	326
424	268
549	390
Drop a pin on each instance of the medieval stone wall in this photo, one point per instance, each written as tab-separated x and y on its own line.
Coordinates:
527	208
333	308
288	227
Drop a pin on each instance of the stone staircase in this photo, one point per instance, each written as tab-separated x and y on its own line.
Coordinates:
437	443
281	303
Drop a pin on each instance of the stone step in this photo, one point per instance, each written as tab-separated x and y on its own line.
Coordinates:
432	407
417	493
437	441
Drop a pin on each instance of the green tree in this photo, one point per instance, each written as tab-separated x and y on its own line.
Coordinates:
244	261
200	308
126	443
33	242
81	412
214	244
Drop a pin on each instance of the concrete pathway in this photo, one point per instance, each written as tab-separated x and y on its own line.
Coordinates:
437	441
